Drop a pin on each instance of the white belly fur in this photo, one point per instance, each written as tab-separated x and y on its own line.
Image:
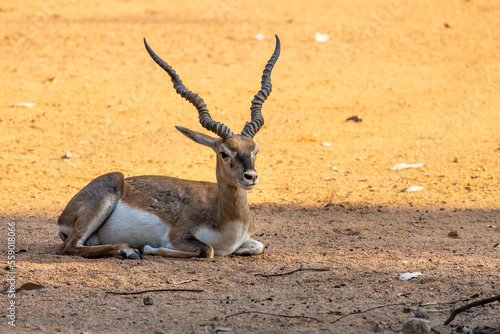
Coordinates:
132	226
226	242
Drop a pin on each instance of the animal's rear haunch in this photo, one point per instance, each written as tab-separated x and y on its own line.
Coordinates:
161	215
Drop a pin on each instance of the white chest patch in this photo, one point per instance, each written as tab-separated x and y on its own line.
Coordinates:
224	242
134	227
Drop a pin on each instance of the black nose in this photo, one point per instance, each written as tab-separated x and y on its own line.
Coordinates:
250	176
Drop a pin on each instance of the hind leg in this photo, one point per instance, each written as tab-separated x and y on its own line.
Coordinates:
119	249
85	214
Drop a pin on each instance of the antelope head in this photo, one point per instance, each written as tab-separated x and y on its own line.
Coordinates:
235	152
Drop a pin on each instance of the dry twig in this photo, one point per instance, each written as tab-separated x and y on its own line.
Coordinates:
154	290
451	301
293	272
370	309
274	315
468	306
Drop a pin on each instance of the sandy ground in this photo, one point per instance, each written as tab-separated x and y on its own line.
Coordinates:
423	77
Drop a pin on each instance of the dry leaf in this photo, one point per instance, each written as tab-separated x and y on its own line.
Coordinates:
23	105
404	166
453	234
49	81
216	329
185	281
407	276
339	170
355	119
413	188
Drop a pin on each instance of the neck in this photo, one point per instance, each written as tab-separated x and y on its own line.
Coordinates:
232	204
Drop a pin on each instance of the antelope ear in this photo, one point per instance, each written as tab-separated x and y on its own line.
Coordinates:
199	138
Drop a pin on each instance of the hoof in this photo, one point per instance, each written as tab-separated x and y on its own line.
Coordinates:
141	250
130	255
135	256
207	254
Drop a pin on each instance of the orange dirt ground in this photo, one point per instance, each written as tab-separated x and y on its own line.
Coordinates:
422	75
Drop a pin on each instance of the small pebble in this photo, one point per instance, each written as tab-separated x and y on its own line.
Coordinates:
319	37
147	300
421	314
416	326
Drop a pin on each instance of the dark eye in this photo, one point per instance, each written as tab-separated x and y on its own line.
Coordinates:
223	155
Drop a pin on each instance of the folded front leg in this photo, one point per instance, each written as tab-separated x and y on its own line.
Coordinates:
250	247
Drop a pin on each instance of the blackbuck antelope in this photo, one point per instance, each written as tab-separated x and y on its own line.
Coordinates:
166	216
